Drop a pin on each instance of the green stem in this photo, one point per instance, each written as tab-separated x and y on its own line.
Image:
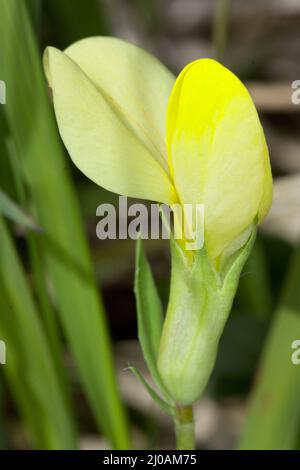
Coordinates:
184	428
220	27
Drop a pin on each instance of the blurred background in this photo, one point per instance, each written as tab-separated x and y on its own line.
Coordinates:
67	308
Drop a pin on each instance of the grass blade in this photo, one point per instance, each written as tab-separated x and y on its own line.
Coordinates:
29	367
220	27
64	19
65	249
273	420
254	294
11	210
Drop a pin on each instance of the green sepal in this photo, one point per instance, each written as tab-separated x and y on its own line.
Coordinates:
149	313
199	304
166	407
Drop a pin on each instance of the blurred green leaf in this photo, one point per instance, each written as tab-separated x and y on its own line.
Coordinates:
148	14
3	442
12	211
254	294
239	351
220	27
76	19
35	11
36	258
65	249
273	419
29	367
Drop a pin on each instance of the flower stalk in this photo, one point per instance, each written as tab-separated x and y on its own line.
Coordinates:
184	428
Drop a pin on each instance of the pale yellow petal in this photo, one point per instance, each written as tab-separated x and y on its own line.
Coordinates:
98	138
134	81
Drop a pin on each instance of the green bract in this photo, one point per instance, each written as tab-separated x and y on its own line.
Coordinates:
199	304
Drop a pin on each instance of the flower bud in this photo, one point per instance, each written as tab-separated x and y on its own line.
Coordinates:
199	305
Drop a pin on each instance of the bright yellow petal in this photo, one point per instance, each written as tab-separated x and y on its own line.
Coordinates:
216	150
267	196
99	136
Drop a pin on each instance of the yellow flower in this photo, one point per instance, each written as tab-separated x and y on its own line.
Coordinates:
111	100
131	128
